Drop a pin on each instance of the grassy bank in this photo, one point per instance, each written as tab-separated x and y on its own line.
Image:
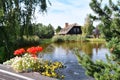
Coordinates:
96	39
45	41
67	38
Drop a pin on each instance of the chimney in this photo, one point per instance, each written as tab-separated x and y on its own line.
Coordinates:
66	24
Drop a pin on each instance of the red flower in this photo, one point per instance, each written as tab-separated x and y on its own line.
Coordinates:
34	50
19	51
39	49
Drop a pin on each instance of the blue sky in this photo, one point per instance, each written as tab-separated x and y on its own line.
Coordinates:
62	11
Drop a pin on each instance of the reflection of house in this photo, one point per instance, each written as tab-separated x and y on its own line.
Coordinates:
71	29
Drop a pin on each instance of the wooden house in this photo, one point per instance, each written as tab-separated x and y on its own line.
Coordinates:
71	29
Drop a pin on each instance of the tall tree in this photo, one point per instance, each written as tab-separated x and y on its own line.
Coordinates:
88	26
58	29
44	31
108	14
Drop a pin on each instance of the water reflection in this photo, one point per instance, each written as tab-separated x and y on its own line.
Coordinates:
89	48
64	52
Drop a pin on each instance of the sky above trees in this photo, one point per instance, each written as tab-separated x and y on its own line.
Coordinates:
61	11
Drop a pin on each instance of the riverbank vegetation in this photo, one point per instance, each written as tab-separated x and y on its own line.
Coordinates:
68	38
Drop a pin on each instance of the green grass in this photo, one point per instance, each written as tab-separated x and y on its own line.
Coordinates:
67	38
96	39
64	38
45	41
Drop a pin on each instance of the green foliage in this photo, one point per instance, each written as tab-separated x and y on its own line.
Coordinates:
116	27
45	41
100	28
63	38
58	38
100	70
88	27
108	15
27	41
114	46
44	31
58	29
2	54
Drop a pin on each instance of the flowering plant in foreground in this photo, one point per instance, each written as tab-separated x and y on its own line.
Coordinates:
26	60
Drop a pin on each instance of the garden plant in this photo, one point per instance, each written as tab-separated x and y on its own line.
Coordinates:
27	61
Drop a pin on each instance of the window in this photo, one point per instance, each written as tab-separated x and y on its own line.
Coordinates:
75	30
78	30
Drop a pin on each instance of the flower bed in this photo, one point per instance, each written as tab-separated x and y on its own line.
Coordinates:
27	61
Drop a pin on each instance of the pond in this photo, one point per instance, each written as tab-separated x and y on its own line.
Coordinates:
63	52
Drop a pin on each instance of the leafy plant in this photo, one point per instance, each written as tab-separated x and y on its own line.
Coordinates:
114	45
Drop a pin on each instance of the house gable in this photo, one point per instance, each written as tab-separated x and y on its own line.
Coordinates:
75	30
71	29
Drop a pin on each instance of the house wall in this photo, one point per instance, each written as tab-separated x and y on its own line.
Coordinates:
75	30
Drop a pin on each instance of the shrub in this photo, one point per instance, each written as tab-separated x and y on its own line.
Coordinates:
63	38
28	41
57	39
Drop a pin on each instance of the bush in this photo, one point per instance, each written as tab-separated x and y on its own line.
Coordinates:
57	39
28	41
63	38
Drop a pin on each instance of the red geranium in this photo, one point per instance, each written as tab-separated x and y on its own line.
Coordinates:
39	49
19	51
34	50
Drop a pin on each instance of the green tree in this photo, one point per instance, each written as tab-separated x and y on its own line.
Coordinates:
50	31
88	26
108	14
44	31
100	28
58	29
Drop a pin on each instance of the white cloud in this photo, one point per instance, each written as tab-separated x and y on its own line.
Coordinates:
61	12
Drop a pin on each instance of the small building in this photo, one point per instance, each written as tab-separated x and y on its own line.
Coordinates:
96	32
71	29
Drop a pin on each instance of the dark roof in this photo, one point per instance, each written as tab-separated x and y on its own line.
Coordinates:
65	30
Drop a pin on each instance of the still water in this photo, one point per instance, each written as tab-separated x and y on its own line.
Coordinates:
63	52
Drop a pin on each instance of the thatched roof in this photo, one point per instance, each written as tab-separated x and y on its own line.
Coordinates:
66	29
